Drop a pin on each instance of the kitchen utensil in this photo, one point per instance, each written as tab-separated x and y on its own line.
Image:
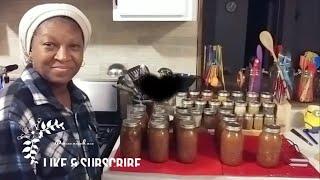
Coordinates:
295	132
214	81
138	71
267	42
306	131
165	72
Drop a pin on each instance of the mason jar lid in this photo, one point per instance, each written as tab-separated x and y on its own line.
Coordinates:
207	92
194	93
269	116
184	116
247	115
181	110
259	115
223	110
233	126
266	95
229	117
187	124
228	103
159	116
272	128
139	107
254	104
214	102
196	111
187	101
130	123
252	94
237	94
200	101
241	103
208	111
223	93
159	124
138	115
269	104
182	94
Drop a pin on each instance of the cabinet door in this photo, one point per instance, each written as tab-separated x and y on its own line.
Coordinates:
153	10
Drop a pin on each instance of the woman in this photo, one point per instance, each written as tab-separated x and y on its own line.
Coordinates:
46	122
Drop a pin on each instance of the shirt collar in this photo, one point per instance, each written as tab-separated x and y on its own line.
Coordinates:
42	93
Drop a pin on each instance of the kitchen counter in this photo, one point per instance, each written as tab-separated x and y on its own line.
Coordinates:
119	175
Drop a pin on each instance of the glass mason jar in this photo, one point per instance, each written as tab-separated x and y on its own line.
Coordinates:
240	107
237	96
214	104
182	110
187	102
266	97
258	121
228	104
158	141
240	120
196	116
253	107
209	119
252	96
223	95
269	148
226	118
159	108
200	104
305	90
207	95
194	94
268	108
187	141
179	97
231	146
268	119
130	138
181	117
248	121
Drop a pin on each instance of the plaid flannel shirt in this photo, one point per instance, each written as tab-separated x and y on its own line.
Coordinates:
35	127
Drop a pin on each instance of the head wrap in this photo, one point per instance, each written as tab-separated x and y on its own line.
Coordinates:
36	15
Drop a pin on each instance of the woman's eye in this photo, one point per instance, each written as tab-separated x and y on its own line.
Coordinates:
75	46
48	45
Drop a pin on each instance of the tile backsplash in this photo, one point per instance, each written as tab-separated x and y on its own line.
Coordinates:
155	44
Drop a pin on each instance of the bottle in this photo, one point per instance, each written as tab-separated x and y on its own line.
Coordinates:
158	141
130	138
231	146
187	142
269	148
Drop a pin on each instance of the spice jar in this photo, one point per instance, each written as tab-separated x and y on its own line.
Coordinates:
158	141
258	121
130	138
187	102
214	104
268	108
159	108
193	95
223	95
268	119
187	141
237	95
226	118
196	116
266	97
252	96
231	146
240	107
209	119
179	97
253	107
200	104
248	121
206	95
182	110
269	148
240	120
229	104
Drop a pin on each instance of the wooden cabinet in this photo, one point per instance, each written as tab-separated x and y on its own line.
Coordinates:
154	10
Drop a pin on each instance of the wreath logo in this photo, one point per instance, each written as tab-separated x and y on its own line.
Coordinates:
33	136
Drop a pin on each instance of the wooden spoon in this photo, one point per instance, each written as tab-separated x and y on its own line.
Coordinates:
267	41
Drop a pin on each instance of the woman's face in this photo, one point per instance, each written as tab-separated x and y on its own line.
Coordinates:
57	50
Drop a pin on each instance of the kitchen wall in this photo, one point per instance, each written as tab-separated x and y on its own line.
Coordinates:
156	44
